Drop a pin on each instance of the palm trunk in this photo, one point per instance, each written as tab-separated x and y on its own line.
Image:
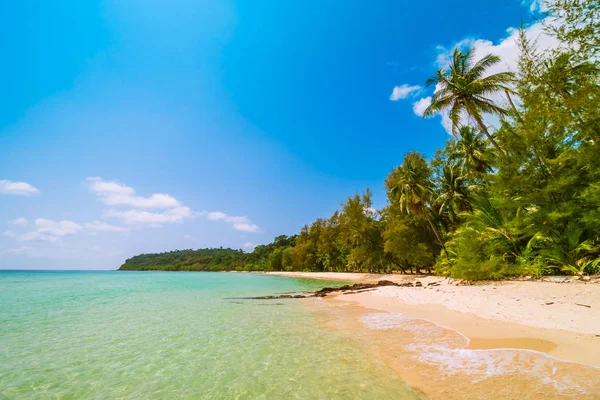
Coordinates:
483	129
512	105
435	231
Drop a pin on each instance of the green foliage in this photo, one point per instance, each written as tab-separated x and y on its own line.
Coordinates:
519	199
185	260
463	89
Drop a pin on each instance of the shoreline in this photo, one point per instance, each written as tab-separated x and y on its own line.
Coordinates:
534	336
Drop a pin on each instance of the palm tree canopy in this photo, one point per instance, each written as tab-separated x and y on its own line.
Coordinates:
472	152
463	88
453	196
410	184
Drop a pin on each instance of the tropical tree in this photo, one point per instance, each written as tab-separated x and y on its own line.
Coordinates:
453	193
567	250
408	240
411	187
463	88
472	153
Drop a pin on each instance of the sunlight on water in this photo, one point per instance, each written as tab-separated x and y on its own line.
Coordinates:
109	335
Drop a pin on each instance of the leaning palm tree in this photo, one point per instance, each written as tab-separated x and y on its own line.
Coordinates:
462	88
411	187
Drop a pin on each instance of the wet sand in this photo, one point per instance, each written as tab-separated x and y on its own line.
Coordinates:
464	342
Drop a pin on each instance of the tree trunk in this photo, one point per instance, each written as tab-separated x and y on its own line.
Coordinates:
483	129
512	105
435	231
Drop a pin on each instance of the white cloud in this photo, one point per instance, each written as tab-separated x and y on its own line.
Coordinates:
114	193
508	51
174	215
240	223
249	245
420	105
18	222
17	188
536	5
403	91
188	237
61	228
15	251
48	231
97	226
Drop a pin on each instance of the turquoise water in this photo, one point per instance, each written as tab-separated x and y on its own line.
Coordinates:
161	335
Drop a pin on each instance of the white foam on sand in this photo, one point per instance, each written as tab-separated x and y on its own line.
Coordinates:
445	348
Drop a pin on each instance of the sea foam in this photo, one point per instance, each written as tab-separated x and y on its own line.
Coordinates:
445	348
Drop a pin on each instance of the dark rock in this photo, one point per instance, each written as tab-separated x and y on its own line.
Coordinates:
418	284
346	289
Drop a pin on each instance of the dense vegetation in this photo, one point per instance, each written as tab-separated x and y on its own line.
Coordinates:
519	197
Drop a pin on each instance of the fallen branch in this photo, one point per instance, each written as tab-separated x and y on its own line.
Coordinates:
346	289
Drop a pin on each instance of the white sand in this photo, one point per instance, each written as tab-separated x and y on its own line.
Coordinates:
521	302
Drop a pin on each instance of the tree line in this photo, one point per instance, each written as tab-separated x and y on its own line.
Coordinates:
517	197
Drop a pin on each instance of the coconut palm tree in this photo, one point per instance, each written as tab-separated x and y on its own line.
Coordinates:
462	88
453	194
410	185
472	153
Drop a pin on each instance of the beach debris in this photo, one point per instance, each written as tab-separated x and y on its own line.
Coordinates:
358	291
346	289
583	305
549	303
433	284
418	284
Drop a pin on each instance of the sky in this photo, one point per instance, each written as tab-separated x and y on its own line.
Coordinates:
142	126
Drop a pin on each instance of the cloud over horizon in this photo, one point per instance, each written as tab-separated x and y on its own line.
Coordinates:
171	216
98	226
240	223
49	230
113	193
17	188
19	222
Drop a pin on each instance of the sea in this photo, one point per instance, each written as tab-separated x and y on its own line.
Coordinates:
176	335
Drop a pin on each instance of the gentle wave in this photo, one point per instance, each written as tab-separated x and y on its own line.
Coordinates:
444	348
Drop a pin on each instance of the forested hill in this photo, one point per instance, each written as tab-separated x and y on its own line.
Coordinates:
186	260
270	257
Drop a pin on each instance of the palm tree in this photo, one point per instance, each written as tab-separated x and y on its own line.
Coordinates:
567	250
463	88
410	185
453	192
471	150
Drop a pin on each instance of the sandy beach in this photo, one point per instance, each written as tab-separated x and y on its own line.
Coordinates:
520	339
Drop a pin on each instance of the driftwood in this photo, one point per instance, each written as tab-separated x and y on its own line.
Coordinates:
346	289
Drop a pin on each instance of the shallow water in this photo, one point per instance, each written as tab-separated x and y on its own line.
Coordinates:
451	354
161	335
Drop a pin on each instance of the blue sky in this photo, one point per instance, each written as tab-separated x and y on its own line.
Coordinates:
143	126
